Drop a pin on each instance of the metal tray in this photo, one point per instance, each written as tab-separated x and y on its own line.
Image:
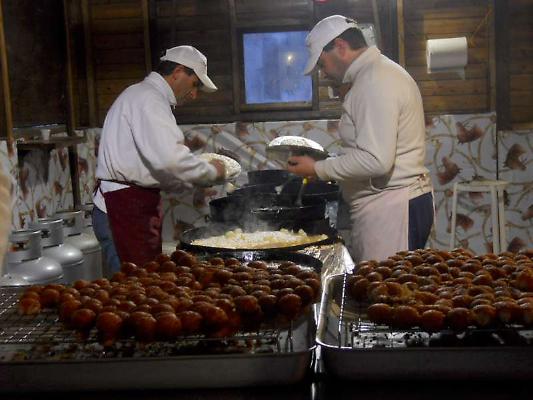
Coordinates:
37	354
353	348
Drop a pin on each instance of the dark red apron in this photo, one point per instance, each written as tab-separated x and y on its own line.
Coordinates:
135	216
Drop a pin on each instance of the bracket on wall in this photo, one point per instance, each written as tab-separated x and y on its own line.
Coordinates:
48	145
45	147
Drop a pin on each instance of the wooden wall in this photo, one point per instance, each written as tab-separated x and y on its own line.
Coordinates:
206	26
520	66
362	12
4	98
35	41
430	19
114	43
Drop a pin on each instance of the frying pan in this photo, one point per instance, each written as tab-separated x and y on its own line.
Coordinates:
254	190
326	190
227	209
281	207
265	207
216	229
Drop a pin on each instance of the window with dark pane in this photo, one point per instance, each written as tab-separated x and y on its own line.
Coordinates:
273	68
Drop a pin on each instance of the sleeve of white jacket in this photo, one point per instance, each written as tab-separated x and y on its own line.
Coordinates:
5	214
160	143
376	115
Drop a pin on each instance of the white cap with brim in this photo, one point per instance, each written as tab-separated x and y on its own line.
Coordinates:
194	59
324	32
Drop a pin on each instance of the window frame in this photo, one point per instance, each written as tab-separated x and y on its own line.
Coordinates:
274	106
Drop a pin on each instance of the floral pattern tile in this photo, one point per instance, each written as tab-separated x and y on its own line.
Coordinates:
9	165
45	184
459	148
515	161
462	148
87	156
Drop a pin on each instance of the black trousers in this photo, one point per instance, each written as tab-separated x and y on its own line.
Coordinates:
420	220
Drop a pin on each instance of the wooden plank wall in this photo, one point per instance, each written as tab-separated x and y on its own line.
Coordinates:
521	62
204	25
117	44
431	19
79	65
5	99
118	48
362	12
35	41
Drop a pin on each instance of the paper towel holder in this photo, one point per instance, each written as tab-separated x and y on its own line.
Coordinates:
447	55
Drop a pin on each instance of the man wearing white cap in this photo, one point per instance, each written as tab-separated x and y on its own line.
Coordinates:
381	172
142	151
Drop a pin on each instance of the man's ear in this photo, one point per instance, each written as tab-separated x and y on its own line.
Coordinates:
341	45
179	69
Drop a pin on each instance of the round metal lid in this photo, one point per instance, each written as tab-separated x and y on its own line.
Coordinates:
282	147
25	245
52	230
73	221
87	214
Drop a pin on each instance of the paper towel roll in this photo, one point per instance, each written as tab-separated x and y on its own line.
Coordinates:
447	55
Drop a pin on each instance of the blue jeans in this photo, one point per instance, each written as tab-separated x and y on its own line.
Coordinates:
102	232
420	220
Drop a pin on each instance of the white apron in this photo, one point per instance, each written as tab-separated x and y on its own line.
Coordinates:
380	225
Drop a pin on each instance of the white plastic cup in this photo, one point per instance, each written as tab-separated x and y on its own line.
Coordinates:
45	134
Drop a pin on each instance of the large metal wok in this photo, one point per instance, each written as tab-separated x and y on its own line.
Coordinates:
215	229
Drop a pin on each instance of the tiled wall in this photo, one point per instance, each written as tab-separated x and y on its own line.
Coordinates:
87	153
467	147
43	183
459	147
515	164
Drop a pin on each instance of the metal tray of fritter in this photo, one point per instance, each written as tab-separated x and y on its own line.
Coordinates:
353	348
37	354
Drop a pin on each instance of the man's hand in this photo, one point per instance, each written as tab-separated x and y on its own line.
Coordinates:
302	166
221	169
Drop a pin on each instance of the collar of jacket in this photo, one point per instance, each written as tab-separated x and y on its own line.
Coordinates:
161	86
366	57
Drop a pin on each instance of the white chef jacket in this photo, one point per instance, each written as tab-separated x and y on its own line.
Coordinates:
141	143
383	131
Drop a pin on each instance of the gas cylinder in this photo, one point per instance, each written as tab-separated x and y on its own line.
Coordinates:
73	225
52	237
87	209
25	259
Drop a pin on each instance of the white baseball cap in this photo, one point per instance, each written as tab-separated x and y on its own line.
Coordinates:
324	32
194	59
